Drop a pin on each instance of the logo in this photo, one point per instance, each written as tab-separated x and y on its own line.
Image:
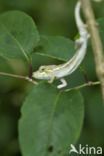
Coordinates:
85	149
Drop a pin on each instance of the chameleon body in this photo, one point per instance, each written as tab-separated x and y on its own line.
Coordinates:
52	72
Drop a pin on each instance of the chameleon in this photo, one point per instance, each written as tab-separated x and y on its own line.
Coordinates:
52	72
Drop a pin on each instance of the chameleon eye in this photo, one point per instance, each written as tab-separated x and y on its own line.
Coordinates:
42	69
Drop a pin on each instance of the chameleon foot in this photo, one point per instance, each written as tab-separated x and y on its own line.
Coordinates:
64	84
52	79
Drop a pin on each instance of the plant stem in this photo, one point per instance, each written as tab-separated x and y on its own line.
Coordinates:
19	77
96	41
30	71
35	83
83	85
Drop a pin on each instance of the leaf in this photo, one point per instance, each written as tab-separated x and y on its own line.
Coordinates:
94	107
6	129
51	121
2	59
89	62
18	35
94	117
101	29
56	47
101	24
38	60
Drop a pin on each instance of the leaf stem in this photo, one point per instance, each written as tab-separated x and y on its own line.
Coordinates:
83	85
19	77
30	71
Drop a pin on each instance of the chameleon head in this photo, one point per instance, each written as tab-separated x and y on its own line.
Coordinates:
44	73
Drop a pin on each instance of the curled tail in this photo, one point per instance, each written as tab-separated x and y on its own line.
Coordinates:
80	25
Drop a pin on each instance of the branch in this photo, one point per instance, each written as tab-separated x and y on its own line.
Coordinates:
96	41
35	83
83	85
19	77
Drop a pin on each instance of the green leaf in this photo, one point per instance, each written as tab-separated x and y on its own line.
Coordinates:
51	121
18	35
89	62
101	24
38	60
2	59
94	117
56	47
94	107
101	29
6	129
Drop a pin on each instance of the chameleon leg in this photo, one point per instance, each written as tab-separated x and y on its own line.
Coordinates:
64	84
52	79
78	42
